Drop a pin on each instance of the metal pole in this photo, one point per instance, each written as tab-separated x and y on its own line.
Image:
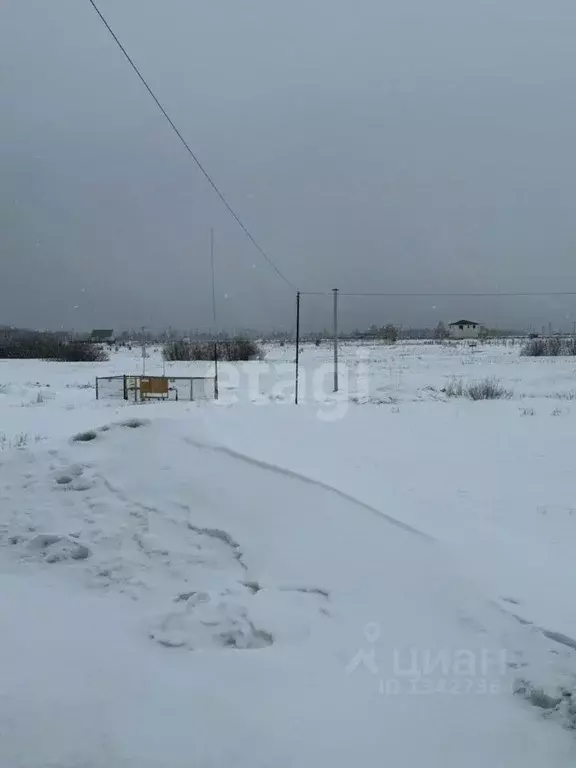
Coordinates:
215	370
214	312
297	344
143	350
335	333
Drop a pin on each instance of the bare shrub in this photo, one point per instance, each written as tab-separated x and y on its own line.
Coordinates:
568	394
20	440
239	349
134	423
534	348
79	352
536	696
85	437
489	388
553	346
454	388
228	351
203	350
569	347
440	331
38	346
390	333
176	351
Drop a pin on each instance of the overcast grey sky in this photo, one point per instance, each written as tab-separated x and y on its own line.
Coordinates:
410	145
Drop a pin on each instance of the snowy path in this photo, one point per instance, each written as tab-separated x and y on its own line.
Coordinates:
168	604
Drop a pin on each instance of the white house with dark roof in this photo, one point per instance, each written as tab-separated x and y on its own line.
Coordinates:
464	329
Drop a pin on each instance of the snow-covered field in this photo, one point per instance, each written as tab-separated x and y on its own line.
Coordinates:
381	576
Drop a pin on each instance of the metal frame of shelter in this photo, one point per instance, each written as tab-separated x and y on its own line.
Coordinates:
140	388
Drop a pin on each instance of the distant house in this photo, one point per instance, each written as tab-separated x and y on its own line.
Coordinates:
464	329
61	336
102	336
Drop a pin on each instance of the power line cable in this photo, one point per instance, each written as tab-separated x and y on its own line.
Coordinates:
192	154
444	295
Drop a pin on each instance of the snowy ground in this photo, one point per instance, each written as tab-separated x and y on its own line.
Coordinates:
366	578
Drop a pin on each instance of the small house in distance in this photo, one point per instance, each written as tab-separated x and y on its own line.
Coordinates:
464	329
102	336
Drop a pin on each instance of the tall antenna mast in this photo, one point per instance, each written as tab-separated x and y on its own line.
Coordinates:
213	277
214	312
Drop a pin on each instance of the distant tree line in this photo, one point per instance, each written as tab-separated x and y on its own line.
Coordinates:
48	346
